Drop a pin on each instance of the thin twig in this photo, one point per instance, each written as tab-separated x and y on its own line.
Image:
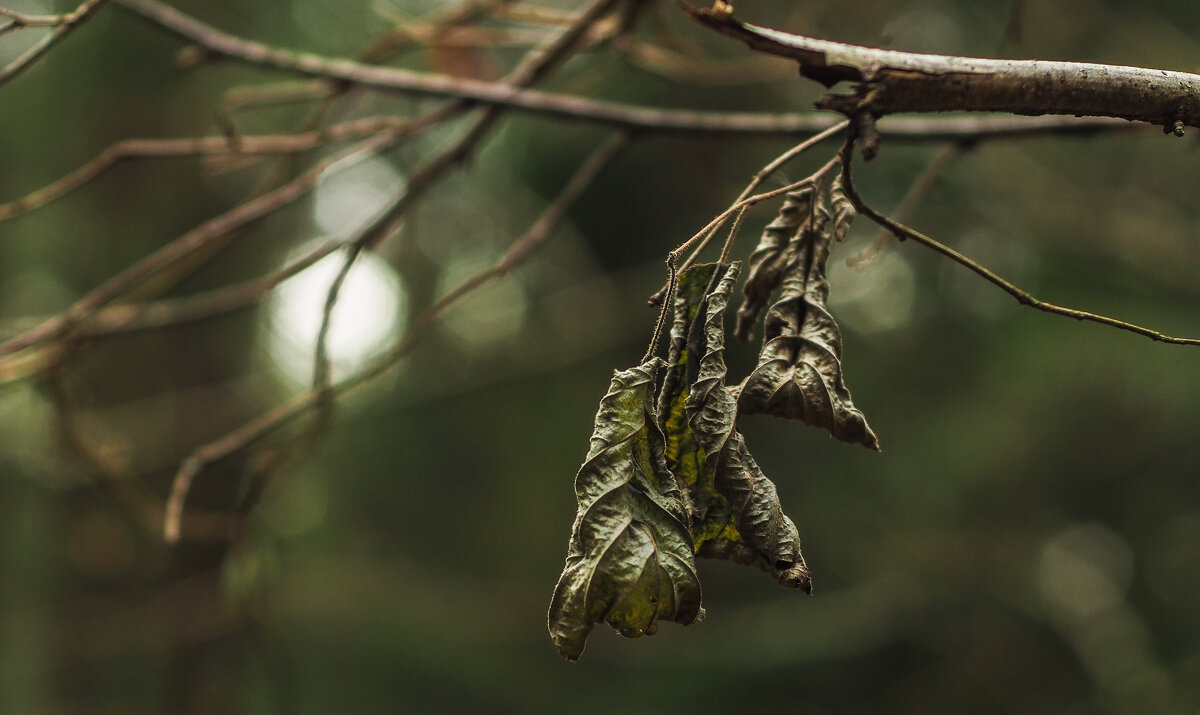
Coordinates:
443	19
766	172
1023	297
501	93
116	481
913	198
734	209
123	319
193	241
322	374
921	129
538	62
297	406
743	202
331	92
664	310
200	146
63	24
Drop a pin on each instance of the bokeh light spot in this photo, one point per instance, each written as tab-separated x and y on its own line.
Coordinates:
364	320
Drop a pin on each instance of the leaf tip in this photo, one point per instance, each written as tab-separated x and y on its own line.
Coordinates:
569	648
794	575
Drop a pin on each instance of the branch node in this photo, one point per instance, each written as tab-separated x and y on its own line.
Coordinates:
868	134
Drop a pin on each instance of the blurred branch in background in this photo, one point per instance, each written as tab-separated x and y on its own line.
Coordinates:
239	439
427	94
21	353
62	26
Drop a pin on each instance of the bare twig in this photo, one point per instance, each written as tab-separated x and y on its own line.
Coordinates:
283	414
122	319
538	62
733	210
330	92
913	198
1023	297
529	14
740	205
498	93
444	19
196	146
120	485
193	241
62	24
918	129
265	95
765	173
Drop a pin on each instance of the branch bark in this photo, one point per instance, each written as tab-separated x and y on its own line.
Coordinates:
889	82
62	24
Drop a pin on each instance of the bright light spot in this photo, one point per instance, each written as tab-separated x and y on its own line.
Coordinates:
876	297
351	196
489	315
363	321
1085	570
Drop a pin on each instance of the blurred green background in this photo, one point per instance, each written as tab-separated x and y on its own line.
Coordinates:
1028	541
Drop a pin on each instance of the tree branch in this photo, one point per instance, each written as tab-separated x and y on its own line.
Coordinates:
284	413
189	243
500	93
891	82
1023	297
117	482
203	146
62	24
917	192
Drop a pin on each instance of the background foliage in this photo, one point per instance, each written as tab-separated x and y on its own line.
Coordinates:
1028	541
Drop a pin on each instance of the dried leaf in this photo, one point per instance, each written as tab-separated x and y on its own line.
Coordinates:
799	372
734	508
842	207
630	560
769	260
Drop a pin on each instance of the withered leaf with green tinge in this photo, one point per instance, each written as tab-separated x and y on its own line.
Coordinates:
769	260
734	508
630	560
799	371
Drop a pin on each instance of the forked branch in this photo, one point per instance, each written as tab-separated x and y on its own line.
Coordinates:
62	24
301	404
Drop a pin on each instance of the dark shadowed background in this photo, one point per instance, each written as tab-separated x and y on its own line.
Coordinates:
1028	540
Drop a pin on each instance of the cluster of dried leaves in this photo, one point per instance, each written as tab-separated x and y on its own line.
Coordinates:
668	477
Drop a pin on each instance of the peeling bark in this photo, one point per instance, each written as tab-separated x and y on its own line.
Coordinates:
889	82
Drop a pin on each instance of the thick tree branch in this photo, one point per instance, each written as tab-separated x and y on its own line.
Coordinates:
891	82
